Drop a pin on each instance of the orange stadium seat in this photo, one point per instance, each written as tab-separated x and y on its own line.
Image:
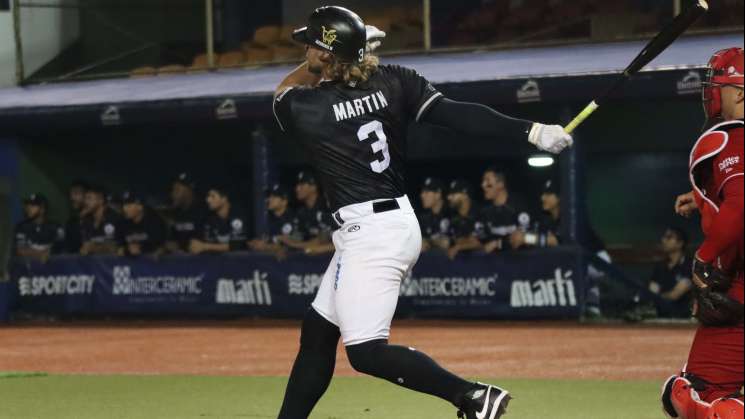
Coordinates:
256	53
171	69
232	59
267	35
287	52
143	72
201	62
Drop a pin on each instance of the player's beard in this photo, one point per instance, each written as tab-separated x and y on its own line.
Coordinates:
316	69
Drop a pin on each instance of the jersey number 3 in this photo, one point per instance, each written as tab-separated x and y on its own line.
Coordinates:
377	166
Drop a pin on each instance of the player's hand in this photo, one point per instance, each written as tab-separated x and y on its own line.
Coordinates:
196	247
374	38
685	205
492	246
453	252
517	239
551	138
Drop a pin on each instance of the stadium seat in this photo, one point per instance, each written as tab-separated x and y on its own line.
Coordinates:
256	53
143	72
201	62
267	35
287	52
232	59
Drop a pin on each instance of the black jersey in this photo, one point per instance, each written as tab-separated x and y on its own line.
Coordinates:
47	236
465	226
434	226
314	222
587	237
283	225
356	136
499	221
186	224
230	230
149	233
73	239
104	232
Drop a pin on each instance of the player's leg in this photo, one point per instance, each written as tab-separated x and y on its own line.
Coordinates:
316	360
377	257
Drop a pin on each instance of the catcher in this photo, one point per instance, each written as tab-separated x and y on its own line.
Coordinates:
710	386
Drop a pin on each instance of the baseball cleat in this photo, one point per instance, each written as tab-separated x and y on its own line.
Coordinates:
485	402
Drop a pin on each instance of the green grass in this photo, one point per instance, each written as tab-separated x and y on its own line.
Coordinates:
184	397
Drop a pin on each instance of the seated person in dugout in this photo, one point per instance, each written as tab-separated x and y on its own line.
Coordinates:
36	237
76	197
186	215
671	278
99	224
503	213
434	219
314	219
225	229
283	224
142	232
464	225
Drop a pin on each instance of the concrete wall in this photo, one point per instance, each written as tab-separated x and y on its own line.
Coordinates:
45	33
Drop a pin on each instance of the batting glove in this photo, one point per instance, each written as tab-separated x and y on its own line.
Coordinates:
551	138
374	38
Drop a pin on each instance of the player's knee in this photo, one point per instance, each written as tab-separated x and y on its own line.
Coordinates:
362	356
726	408
318	333
681	400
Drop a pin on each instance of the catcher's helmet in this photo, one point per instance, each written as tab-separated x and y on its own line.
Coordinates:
725	68
336	30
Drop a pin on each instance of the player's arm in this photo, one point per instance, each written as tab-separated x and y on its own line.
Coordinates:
681	288
298	77
482	121
727	226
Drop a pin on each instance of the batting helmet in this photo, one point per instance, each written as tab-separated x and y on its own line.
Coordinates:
336	30
725	68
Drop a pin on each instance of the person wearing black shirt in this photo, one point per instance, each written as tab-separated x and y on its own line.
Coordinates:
36	237
434	220
314	219
142	232
99	224
225	229
671	279
186	216
283	224
73	226
503	214
465	227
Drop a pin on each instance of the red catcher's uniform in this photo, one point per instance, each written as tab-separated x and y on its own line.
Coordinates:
716	172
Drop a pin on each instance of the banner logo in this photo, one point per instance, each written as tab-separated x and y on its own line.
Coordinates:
36	286
111	117
690	83
254	291
449	287
529	92
556	292
126	284
308	284
227	110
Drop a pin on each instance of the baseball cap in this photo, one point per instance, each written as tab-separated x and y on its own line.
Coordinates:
130	197
185	179
279	191
433	185
461	186
36	199
551	186
306	177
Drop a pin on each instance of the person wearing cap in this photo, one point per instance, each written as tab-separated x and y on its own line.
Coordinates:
283	224
142	232
434	220
225	229
314	219
465	227
99	224
36	237
503	214
76	196
186	215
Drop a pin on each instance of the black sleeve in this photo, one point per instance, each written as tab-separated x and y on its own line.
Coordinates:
282	108
476	120
159	233
418	92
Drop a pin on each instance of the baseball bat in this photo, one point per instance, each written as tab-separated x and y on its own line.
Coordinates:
654	48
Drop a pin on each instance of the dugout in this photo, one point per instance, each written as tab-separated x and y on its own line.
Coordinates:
630	158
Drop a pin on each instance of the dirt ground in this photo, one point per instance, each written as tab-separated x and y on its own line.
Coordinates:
267	348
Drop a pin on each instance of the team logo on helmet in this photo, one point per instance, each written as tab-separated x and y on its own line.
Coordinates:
329	36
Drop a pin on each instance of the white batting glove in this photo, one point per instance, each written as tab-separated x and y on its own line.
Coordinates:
374	38
551	138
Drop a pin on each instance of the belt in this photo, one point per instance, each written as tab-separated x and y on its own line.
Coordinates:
378	207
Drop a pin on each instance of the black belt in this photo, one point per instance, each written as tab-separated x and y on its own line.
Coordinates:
378	207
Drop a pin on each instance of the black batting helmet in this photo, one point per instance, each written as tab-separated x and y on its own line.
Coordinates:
336	30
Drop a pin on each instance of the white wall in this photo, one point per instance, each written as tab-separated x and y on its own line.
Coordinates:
45	32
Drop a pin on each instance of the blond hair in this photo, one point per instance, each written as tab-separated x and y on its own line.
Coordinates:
354	73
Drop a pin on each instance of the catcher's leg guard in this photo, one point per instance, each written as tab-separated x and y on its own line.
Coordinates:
680	400
726	408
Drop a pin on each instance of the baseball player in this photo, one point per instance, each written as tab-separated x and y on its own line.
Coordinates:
711	383
351	114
